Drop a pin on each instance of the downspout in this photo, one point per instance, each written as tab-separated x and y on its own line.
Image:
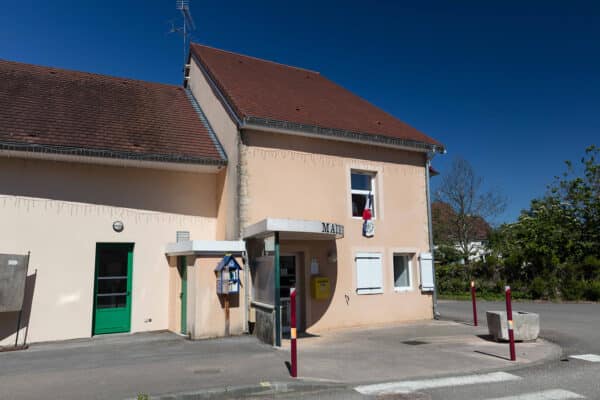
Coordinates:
430	155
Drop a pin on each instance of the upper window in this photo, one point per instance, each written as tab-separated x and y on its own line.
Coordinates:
363	192
402	278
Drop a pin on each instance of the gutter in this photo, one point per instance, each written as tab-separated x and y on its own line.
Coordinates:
430	155
293	128
109	157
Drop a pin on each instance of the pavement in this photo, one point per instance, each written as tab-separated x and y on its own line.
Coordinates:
406	351
165	365
573	326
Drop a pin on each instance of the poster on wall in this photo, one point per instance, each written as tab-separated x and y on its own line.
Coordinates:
13	273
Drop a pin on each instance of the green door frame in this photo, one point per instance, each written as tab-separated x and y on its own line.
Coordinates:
183	294
277	276
113	320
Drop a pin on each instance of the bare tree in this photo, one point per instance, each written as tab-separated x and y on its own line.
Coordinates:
461	190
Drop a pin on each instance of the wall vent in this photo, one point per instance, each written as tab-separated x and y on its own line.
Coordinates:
183	236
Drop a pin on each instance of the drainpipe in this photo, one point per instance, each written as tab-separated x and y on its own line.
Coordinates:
246	263
430	155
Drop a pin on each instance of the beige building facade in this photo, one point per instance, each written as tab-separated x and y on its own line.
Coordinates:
126	236
295	175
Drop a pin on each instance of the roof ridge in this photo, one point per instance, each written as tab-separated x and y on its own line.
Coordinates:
257	58
86	73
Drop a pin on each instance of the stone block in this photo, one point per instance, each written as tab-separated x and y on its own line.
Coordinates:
526	325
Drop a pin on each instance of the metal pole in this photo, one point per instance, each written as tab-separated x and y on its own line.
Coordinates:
277	294
21	310
227	315
511	334
293	334
474	300
226	286
436	314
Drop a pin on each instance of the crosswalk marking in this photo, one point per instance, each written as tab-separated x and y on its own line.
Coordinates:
412	386
556	394
588	357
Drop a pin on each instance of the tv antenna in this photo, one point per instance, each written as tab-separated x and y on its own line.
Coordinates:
188	25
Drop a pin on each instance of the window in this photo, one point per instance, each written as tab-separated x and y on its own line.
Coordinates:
362	189
369	277
402	278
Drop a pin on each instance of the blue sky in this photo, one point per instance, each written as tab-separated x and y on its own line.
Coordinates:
511	86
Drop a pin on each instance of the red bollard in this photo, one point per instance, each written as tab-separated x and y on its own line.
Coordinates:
294	355
509	317
474	300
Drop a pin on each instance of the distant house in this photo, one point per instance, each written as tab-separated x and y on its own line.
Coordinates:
444	220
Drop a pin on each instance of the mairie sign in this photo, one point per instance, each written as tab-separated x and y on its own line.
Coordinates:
336	229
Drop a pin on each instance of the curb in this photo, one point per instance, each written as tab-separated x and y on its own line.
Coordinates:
262	389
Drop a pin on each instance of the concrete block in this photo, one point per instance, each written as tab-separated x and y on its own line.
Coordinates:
526	325
265	325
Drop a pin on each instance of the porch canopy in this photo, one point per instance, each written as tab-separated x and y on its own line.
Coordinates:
294	229
263	244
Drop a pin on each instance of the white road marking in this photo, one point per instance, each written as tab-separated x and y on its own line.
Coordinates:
588	357
556	394
412	386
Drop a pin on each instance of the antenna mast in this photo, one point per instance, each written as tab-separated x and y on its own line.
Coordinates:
188	24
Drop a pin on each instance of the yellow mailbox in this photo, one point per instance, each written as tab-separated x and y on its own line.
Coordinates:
321	287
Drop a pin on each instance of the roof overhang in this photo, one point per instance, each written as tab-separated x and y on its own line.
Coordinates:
101	157
294	229
205	247
293	128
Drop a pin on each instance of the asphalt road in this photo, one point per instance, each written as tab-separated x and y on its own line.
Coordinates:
160	363
575	327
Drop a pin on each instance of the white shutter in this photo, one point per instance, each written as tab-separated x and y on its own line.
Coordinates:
369	273
426	262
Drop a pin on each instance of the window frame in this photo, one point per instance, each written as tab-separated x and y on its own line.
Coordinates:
409	258
372	192
369	255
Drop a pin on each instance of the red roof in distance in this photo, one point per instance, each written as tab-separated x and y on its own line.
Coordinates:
265	89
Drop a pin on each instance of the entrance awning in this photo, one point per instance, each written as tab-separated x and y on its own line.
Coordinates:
205	247
295	229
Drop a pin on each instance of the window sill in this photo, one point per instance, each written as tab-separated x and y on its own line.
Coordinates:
369	291
403	289
360	218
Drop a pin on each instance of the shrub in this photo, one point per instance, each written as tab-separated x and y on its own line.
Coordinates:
592	291
591	268
572	289
538	288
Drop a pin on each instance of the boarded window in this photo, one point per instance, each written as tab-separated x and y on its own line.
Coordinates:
426	264
369	276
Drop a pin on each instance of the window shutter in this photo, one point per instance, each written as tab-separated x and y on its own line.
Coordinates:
369	273
426	262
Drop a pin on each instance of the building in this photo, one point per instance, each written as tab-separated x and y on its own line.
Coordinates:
445	219
129	193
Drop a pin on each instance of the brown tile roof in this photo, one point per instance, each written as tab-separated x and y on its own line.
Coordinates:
444	219
257	88
56	110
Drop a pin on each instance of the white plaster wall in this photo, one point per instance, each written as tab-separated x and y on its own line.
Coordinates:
226	130
59	211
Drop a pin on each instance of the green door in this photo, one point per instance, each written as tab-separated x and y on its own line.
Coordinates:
112	293
183	294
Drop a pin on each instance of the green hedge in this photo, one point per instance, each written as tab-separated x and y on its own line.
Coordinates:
566	282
